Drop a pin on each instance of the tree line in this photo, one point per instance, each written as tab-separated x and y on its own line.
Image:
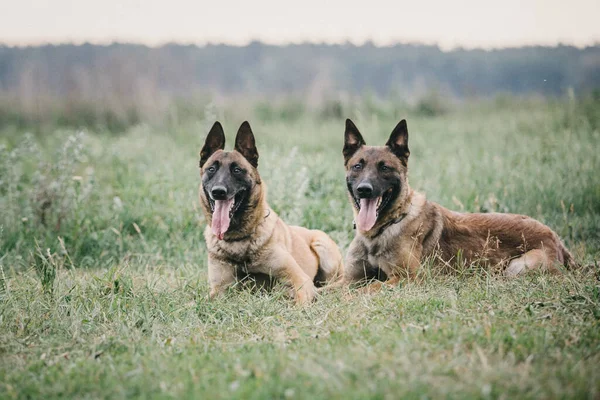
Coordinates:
125	77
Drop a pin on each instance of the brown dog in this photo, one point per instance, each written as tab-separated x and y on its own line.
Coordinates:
397	228
244	236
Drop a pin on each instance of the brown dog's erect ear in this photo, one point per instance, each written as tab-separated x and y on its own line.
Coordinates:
214	141
245	144
353	140
398	142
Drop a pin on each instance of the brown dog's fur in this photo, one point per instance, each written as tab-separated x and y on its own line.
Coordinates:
409	228
258	241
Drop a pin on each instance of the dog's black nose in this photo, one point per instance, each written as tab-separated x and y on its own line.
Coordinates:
219	193
364	190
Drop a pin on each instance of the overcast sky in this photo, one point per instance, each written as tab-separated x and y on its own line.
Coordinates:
467	23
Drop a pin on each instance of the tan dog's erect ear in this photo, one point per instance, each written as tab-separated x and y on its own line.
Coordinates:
214	141
245	144
398	142
353	140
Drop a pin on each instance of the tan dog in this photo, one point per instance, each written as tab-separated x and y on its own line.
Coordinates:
244	236
397	228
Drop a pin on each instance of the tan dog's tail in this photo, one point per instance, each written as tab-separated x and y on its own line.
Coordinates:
331	265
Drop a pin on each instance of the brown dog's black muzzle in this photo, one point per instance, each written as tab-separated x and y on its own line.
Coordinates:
364	190
218	192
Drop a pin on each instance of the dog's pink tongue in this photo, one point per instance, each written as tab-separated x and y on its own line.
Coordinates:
367	214
220	217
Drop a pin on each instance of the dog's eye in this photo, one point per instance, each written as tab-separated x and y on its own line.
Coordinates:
237	170
384	168
357	167
211	169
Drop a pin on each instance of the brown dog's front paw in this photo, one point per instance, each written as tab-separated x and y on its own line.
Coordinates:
375	287
371	288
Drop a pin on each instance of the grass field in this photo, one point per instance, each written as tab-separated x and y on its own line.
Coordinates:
103	265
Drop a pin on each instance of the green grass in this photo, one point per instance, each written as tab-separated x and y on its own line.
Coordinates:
107	297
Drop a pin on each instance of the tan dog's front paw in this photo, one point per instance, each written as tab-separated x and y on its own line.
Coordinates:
214	293
306	293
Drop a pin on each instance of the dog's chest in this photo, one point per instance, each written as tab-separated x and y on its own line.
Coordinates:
379	252
236	252
245	255
383	250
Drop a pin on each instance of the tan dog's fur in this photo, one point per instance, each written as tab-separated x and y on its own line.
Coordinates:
426	229
264	244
